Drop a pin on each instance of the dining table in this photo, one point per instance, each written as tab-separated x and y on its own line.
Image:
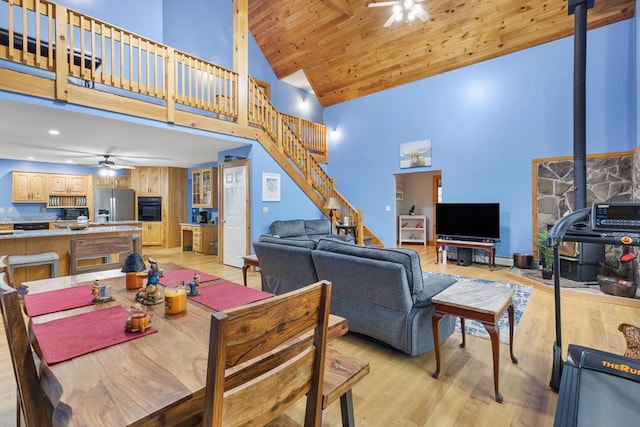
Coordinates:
155	379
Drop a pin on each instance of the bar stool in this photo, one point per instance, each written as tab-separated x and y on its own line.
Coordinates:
17	261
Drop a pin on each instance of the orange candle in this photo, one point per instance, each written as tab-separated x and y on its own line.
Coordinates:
132	281
175	297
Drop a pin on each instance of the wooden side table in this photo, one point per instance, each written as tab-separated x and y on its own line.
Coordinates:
484	303
248	261
348	229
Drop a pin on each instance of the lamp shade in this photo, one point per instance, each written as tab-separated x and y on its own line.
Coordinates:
332	203
133	264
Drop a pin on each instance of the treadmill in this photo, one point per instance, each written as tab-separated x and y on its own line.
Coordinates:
595	387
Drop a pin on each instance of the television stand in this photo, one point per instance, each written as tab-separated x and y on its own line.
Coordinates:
489	247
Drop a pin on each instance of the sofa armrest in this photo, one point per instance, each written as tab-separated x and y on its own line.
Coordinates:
433	284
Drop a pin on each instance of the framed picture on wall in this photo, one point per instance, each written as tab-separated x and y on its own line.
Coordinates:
415	154
270	187
399	195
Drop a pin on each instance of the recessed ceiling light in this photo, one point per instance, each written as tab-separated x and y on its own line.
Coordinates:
31	158
69	161
54	132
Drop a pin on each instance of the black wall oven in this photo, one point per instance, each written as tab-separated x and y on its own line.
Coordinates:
149	208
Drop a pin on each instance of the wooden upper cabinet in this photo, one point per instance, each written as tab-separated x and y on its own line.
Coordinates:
204	186
112	181
68	184
149	181
29	187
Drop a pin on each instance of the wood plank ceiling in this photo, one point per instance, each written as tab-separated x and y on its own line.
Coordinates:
346	53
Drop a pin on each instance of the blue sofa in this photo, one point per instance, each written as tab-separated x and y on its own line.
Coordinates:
381	292
307	231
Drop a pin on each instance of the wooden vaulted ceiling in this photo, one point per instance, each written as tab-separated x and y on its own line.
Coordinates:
345	52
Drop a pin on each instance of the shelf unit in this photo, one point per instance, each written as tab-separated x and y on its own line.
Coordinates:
412	229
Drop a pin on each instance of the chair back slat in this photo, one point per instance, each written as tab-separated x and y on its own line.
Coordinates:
86	252
36	408
273	353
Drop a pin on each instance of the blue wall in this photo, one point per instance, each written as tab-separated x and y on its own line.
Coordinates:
486	122
141	17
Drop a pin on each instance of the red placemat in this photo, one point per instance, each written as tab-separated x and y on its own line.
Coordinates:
58	300
186	275
225	295
64	339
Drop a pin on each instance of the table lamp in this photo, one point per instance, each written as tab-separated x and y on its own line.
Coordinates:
132	265
331	204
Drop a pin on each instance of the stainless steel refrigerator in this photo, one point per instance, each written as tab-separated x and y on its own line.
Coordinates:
113	204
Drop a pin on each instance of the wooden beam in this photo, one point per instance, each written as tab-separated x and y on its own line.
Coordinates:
241	56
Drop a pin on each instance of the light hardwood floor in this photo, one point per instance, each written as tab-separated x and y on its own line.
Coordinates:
400	391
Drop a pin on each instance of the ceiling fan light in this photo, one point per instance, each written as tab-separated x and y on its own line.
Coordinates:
103	172
408	4
396	9
411	15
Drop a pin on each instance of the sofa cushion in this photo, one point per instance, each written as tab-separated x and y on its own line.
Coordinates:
291	241
293	227
317	227
407	257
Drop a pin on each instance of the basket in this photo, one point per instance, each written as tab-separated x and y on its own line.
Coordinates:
632	336
522	260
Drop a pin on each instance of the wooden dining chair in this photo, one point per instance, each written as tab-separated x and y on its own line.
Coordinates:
33	405
265	356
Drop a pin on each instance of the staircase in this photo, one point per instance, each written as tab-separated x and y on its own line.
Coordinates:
90	63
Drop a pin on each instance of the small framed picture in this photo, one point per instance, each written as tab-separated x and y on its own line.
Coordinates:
270	187
399	195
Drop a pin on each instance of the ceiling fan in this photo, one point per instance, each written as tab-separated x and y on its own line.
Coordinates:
403	10
108	166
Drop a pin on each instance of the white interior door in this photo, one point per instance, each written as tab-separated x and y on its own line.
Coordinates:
235	193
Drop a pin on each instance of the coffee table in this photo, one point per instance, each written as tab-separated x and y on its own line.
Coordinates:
482	302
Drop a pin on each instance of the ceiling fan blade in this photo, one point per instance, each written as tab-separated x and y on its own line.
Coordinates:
390	21
382	4
422	14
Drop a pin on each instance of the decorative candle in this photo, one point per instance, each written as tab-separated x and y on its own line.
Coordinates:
175	297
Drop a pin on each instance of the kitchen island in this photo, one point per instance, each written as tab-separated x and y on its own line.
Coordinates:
38	241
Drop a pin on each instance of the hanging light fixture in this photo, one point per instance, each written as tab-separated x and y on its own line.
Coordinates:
403	10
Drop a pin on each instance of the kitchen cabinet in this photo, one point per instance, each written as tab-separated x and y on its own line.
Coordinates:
5	227
148	181
172	186
152	233
29	187
67	191
75	185
112	181
200	238
412	229
204	186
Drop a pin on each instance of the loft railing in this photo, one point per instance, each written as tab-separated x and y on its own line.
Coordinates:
71	48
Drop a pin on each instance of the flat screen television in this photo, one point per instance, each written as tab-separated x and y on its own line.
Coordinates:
473	221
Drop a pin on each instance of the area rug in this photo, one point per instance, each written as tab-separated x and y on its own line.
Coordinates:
521	295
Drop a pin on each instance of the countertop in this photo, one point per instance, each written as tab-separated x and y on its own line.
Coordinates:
197	224
26	234
65	224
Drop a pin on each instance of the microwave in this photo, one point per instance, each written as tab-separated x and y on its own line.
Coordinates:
73	213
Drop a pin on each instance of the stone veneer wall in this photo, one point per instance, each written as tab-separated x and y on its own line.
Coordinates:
609	178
